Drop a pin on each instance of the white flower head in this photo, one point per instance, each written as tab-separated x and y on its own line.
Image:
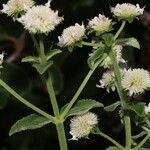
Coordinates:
100	24
107	63
71	35
147	109
40	19
82	125
15	7
127	11
136	81
108	81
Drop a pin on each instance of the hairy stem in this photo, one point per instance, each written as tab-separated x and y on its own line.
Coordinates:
80	89
42	49
117	71
120	30
25	102
142	142
139	135
35	41
51	92
52	96
110	139
61	136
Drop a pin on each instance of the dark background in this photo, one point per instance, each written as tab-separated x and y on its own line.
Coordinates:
69	72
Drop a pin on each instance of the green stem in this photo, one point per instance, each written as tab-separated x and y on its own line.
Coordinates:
35	41
42	49
51	92
142	142
120	30
139	135
110	139
127	123
80	89
117	71
90	44
121	95
52	96
25	102
61	136
118	77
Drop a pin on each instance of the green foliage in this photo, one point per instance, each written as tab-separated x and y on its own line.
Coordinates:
138	109
52	53
30	122
108	39
83	106
96	55
43	67
129	42
112	107
30	59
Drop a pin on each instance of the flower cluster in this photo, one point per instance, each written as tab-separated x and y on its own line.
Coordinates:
15	7
127	11
100	24
40	19
81	126
108	81
71	35
136	81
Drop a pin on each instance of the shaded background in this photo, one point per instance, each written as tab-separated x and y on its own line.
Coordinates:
68	73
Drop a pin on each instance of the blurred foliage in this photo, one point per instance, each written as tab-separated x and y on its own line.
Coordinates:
67	75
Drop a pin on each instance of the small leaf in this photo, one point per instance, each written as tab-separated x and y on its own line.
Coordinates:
96	55
30	59
42	68
138	108
108	39
52	53
83	106
112	107
30	122
129	42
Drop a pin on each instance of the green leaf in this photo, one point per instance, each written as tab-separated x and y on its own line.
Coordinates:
108	39
129	42
138	108
52	53
42	68
96	55
83	106
30	59
112	107
30	122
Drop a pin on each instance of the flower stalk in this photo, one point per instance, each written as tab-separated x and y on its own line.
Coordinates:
59	123
117	71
